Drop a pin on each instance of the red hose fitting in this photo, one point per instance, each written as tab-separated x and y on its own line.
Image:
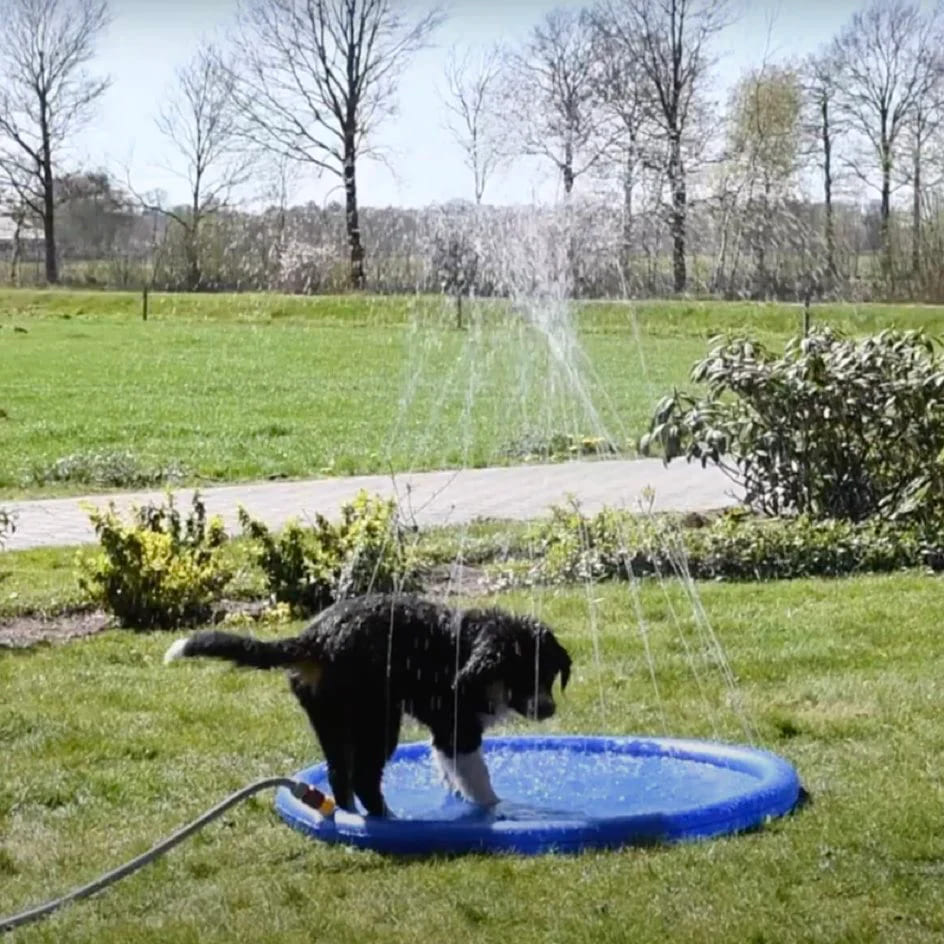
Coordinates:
313	797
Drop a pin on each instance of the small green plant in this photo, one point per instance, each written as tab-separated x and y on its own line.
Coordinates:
103	470
557	447
833	428
311	567
156	571
456	263
616	544
276	614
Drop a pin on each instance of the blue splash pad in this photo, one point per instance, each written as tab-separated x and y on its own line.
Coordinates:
564	794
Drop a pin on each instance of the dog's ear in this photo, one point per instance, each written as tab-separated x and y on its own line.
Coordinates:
562	658
484	664
565	668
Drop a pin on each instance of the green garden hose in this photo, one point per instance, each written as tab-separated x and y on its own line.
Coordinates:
302	791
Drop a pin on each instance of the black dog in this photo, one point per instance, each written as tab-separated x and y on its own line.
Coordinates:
363	662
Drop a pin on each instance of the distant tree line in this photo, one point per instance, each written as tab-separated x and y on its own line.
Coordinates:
813	178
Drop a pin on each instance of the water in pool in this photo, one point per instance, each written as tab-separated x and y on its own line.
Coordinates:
560	783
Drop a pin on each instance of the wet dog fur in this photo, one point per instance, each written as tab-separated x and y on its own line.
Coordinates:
363	662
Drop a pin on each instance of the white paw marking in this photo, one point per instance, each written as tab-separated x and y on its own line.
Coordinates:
468	775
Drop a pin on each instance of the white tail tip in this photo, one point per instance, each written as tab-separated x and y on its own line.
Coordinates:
176	651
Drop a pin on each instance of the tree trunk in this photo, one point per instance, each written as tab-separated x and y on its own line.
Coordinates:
17	249
192	235
738	239
679	208
49	233
763	235
717	279
886	210
350	193
831	271
916	211
272	262
567	170
478	178
49	203
194	274
628	185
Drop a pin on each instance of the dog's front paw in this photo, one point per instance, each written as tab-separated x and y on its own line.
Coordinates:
466	775
487	799
442	764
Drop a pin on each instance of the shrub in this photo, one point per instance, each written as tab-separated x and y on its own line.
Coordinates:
104	470
156	571
557	446
834	428
737	545
311	567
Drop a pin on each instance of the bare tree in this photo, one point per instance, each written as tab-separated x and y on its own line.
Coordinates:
821	82
473	82
551	95
199	122
921	138
886	69
277	193
46	95
316	79
625	96
669	39
765	141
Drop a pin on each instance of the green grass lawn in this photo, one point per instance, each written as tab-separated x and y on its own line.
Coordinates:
104	751
238	387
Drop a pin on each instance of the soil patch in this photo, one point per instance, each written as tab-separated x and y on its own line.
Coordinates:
21	632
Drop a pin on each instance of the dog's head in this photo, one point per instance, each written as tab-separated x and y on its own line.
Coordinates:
521	655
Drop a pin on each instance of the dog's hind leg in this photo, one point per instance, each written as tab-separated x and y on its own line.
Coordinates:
333	730
373	745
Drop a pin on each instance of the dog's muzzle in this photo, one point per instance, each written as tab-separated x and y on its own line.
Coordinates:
541	707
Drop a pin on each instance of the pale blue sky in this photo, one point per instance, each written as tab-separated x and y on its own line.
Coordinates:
148	39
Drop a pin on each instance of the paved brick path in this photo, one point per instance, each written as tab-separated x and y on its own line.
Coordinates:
448	497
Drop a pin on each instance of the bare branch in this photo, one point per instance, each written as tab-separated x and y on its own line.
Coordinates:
552	96
471	96
199	121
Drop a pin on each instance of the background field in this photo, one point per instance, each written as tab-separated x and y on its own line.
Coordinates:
112	750
104	751
239	387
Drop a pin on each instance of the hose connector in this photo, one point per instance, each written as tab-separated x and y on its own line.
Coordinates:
313	797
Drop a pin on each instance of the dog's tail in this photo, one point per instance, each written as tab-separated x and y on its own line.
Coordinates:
243	650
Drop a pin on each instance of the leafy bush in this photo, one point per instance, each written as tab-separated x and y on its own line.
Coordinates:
104	470
156	571
737	545
834	428
311	567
